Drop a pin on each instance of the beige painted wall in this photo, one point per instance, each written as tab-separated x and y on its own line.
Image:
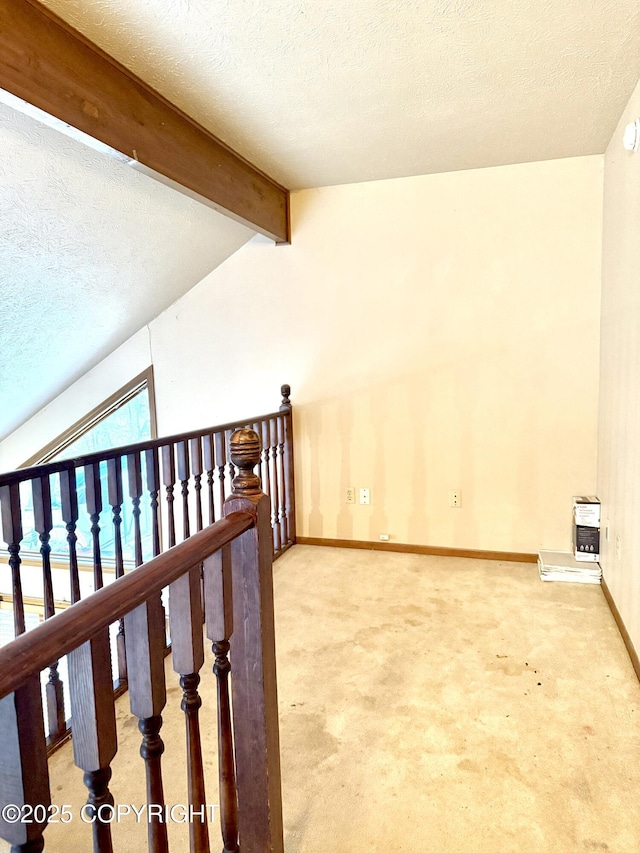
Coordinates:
619	430
89	391
439	333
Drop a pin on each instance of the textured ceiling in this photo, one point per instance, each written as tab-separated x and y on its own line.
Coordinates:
321	93
90	251
314	93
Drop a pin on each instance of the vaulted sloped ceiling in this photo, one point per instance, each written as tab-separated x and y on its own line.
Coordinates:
313	93
90	251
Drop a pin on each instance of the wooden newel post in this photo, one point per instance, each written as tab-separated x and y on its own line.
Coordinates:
254	690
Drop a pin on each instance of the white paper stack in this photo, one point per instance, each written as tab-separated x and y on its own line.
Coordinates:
561	566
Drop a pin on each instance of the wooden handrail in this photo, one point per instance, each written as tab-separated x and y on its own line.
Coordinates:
33	651
221	576
33	471
122	505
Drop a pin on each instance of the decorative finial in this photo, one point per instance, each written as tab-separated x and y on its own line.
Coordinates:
245	455
285	406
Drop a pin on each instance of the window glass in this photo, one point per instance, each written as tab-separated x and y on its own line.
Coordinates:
128	423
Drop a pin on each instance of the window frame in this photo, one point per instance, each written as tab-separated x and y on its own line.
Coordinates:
112	403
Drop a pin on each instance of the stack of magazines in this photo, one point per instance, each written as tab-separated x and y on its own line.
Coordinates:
560	566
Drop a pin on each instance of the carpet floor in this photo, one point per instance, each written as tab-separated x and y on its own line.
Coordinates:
426	704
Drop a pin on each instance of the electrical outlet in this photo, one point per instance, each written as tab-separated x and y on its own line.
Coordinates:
384	537
365	496
351	495
618	546
455	498
606	530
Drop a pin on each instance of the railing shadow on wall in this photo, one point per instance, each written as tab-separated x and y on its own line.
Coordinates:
74	526
220	577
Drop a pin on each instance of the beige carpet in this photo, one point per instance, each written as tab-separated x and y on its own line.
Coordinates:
427	704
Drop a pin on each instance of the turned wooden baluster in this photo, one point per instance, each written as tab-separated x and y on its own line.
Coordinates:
254	689
93	491
12	535
24	775
219	618
114	489
187	653
93	723
182	454
43	523
265	457
69	502
282	515
286	409
209	465
232	470
152	467
145	639
221	461
134	475
169	480
195	451
274	494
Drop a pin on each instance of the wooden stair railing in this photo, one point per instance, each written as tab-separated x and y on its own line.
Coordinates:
235	556
98	515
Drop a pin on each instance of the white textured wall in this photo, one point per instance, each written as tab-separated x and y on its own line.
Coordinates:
438	332
90	251
619	430
89	391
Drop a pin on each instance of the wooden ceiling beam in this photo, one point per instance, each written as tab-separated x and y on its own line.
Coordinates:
48	64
